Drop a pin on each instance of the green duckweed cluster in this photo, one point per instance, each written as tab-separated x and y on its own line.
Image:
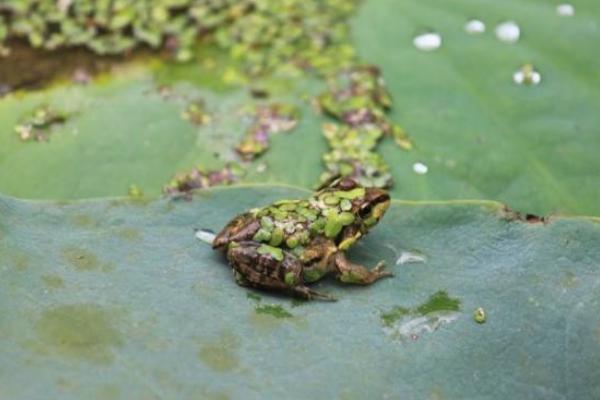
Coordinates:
200	178
40	124
290	36
265	120
262	37
196	113
117	26
359	101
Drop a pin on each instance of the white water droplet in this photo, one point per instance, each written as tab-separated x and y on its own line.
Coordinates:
527	75
205	235
409	257
565	10
428	41
475	26
508	32
420	168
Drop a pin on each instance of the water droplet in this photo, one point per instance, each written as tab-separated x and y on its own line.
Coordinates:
527	75
508	32
428	41
475	26
410	257
479	315
420	168
565	10
205	235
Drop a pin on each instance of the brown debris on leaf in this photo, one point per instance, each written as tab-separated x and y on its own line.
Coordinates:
40	124
512	215
199	178
266	120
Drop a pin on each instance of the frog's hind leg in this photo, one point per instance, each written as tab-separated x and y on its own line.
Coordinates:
349	272
262	271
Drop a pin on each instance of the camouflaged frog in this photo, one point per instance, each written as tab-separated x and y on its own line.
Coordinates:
290	243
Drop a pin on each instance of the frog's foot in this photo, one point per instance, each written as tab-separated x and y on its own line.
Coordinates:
307	293
349	272
379	269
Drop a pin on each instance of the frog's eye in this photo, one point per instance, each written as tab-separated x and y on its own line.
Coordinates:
365	211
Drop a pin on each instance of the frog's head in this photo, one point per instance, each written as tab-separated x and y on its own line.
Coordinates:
371	207
366	205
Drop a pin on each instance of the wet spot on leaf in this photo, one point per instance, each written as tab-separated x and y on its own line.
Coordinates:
83	221
80	259
220	355
129	234
82	331
20	261
570	280
53	281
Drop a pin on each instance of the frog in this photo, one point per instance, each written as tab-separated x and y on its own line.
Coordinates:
289	244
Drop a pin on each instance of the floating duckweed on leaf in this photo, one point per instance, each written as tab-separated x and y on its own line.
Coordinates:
565	10
266	121
135	192
439	301
200	178
275	252
475	26
40	124
358	99
420	168
276	311
508	32
527	76
479	315
388	318
196	113
408	323
253	296
428	41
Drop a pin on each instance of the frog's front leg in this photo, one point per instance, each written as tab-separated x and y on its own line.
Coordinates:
349	272
268	271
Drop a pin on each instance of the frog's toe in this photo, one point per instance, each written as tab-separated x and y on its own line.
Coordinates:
307	293
380	267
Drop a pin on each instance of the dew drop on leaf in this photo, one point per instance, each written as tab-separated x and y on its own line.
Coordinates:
428	41
420	168
475	26
527	75
565	10
508	32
